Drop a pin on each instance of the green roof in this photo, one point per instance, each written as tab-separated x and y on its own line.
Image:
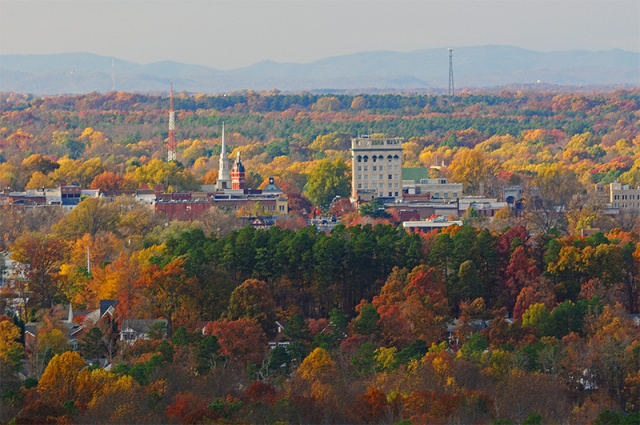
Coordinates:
415	174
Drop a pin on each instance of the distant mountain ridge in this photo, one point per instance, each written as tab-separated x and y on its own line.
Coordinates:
474	67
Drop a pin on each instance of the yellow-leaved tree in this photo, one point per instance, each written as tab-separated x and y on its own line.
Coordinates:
318	365
58	383
9	335
111	397
11	351
549	194
470	167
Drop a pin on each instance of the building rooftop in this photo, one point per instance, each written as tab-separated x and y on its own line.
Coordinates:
415	174
366	142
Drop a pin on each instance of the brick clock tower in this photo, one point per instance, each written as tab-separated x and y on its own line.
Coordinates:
237	174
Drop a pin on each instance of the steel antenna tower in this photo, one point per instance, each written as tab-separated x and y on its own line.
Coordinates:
171	154
451	88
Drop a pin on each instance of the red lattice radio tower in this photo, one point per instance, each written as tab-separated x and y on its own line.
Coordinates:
171	154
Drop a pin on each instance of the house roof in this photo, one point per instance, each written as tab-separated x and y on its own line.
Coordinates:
201	324
73	329
93	316
105	304
98	313
281	337
476	324
140	326
31	328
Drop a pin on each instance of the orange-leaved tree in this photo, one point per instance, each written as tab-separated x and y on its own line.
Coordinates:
40	257
253	300
108	181
241	340
167	288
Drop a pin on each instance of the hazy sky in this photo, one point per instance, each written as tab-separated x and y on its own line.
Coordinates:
227	34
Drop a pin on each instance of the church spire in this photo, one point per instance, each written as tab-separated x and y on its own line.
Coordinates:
223	152
224	178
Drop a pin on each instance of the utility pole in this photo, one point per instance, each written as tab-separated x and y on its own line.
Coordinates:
451	87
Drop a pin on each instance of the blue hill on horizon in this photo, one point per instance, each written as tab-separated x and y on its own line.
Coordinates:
474	67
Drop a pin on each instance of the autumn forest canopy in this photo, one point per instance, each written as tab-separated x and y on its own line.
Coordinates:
515	320
82	137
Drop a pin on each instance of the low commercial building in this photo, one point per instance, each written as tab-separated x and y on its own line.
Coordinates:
430	224
624	197
427	209
66	197
485	207
432	188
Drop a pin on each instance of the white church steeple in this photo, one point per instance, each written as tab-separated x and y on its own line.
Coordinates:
224	178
